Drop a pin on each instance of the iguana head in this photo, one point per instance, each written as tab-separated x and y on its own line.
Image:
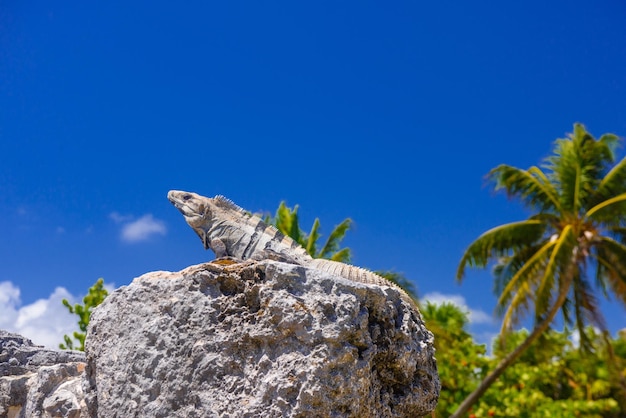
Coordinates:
197	211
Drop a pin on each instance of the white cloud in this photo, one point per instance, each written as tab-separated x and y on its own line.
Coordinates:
575	337
142	229
9	296
119	218
476	316
44	321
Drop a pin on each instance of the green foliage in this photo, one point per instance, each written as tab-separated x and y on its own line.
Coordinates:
94	297
550	379
542	265
461	362
554	379
286	220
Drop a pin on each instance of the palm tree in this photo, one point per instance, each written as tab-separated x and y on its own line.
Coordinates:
573	247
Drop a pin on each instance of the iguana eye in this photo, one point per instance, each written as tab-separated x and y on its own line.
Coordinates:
186	197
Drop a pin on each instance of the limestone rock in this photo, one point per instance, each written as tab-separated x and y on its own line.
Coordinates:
38	382
257	339
18	355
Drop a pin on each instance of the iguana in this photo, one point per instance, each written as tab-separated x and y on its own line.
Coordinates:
230	231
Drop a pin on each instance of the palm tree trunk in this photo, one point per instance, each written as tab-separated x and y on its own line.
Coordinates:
512	356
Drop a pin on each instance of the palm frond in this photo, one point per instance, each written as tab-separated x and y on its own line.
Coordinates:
499	242
600	276
343	255
518	305
610	256
561	263
526	274
613	184
610	143
564	171
337	234
577	166
608	209
313	237
566	311
587	310
532	186
596	155
618	232
547	218
535	282
506	267
287	222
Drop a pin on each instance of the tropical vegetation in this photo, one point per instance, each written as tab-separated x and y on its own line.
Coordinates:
570	250
95	296
551	379
286	221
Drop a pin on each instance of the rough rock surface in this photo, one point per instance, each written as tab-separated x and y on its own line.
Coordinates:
257	339
38	382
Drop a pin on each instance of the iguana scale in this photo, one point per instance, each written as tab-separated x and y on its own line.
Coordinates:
230	231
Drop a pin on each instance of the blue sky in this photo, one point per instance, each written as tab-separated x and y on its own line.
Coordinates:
388	113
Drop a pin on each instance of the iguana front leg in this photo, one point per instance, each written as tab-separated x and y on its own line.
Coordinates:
219	248
221	255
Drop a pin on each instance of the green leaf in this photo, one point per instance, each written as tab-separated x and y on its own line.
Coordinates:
519	285
286	221
96	294
560	265
611	267
313	237
531	186
499	242
613	184
614	206
343	255
332	243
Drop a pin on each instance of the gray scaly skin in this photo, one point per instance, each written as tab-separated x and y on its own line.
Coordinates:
230	231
